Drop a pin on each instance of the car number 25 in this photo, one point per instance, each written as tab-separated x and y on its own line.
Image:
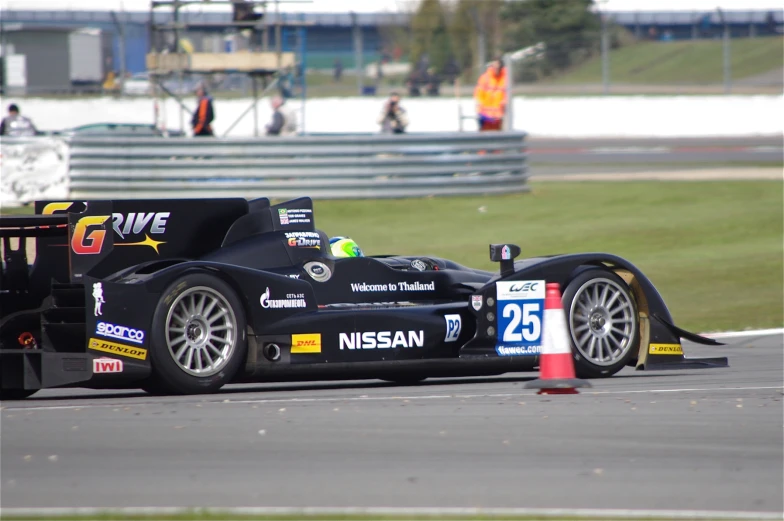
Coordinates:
525	324
520	313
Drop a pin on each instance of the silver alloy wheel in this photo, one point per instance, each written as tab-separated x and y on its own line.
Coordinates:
201	331
602	321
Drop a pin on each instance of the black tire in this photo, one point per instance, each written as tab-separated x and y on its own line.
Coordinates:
16	394
172	377
626	337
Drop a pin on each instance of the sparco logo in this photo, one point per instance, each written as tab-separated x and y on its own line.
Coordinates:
292	300
120	332
382	339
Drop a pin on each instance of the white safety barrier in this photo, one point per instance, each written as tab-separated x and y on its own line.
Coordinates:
33	168
566	117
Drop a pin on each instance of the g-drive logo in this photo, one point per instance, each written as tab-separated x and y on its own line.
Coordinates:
120	332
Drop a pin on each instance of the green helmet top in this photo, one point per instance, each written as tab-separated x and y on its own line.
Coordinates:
345	247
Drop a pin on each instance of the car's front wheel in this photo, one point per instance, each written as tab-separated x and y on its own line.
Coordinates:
603	323
198	336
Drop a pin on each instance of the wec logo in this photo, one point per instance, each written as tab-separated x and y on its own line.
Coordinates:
526	286
120	332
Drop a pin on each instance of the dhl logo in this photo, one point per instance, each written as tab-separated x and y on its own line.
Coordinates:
303	344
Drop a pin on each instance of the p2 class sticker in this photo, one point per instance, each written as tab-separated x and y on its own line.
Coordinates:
520	314
453	326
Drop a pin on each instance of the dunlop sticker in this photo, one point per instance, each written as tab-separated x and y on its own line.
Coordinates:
118	349
310	343
665	349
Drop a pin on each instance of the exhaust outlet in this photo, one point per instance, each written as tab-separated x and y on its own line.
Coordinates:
272	352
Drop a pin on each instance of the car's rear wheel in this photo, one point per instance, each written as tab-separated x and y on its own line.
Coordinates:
198	336
603	323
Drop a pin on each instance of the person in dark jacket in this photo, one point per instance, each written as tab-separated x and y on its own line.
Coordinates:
393	118
204	115
15	124
284	121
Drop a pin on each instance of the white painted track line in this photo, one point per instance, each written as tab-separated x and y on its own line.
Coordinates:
457	513
751	333
365	398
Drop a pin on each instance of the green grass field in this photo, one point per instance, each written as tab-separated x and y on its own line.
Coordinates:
690	62
713	249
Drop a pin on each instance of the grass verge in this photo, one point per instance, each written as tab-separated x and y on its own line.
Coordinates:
698	62
713	249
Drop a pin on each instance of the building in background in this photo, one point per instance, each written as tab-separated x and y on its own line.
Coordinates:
46	59
126	39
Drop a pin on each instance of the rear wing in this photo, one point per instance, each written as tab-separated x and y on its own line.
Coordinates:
98	238
77	238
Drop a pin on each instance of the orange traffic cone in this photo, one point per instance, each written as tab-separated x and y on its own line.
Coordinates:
556	366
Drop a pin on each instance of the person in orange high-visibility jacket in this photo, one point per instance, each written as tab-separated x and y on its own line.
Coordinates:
490	96
202	118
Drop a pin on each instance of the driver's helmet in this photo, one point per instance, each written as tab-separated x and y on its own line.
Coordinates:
345	247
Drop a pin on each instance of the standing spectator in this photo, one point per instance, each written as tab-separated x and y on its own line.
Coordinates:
393	119
490	96
338	74
451	70
433	83
15	124
284	122
286	83
412	83
204	115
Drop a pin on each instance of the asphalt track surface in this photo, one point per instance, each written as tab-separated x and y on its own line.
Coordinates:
561	156
707	439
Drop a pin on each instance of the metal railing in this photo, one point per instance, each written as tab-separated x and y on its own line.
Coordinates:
325	166
320	166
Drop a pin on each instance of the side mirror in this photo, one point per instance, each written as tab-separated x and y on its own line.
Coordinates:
505	254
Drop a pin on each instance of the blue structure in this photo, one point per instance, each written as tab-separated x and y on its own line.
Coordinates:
700	24
329	36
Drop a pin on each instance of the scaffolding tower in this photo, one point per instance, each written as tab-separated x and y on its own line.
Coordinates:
168	58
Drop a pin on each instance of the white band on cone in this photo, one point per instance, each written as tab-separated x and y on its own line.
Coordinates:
556	338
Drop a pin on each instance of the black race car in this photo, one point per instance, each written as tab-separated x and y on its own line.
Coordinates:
185	296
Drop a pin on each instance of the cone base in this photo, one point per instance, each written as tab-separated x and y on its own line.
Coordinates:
569	390
557	385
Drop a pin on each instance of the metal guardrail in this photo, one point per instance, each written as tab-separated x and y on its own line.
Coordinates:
325	166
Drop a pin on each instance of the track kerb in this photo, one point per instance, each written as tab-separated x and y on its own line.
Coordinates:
556	365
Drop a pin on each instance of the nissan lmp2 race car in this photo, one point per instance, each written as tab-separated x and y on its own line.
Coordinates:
178	296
